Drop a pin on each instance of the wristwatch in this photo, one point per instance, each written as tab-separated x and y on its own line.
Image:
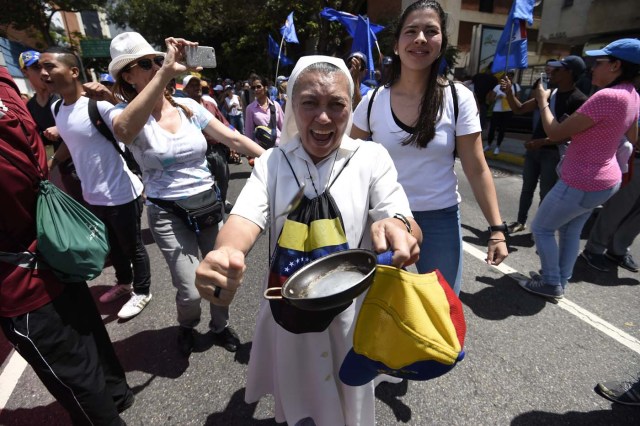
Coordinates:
502	228
404	220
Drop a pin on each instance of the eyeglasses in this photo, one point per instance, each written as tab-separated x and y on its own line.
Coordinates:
257	87
146	63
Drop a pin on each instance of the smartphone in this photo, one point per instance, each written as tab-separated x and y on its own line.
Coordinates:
544	80
201	56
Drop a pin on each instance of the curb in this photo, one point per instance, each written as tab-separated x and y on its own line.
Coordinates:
505	157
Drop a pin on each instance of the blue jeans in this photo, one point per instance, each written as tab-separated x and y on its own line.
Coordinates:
564	210
237	122
538	164
441	246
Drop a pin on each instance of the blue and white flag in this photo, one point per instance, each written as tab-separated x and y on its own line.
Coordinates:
274	51
288	30
511	51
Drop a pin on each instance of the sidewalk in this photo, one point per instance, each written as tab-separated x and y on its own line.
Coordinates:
512	151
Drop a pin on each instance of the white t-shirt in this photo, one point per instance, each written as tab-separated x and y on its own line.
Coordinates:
105	178
426	174
173	164
501	104
233	105
301	370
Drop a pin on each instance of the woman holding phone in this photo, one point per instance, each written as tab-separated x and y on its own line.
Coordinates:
165	135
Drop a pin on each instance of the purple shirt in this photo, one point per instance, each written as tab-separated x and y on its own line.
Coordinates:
256	116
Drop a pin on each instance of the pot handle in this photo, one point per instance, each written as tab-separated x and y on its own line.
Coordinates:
273	297
385	258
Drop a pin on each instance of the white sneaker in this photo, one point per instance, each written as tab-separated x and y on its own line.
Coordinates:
486	148
496	151
115	293
134	306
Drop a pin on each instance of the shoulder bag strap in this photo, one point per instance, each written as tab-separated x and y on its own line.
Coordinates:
373	95
272	122
454	97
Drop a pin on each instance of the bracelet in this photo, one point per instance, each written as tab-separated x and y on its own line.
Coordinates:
497	240
545	107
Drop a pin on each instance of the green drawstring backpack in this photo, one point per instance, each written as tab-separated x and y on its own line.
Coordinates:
72	242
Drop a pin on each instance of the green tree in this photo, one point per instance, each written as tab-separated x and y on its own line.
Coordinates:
238	31
35	15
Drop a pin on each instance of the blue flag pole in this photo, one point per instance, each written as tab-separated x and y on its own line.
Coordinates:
506	62
278	64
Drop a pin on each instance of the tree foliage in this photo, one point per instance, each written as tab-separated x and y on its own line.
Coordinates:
35	15
238	29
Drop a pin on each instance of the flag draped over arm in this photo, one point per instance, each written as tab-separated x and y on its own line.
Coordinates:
288	30
511	51
274	51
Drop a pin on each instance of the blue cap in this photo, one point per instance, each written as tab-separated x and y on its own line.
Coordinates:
106	78
28	58
357	370
627	49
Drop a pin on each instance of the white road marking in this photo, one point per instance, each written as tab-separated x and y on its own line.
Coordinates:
10	376
582	314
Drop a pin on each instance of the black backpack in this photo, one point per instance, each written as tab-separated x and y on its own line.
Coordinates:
98	123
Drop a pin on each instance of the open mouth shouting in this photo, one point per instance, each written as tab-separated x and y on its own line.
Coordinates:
322	136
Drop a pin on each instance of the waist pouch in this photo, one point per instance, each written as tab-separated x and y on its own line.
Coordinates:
198	211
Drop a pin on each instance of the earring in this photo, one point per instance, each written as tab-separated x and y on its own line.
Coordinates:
395	52
133	85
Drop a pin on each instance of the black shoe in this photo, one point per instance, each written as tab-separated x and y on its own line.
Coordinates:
227	338
596	261
624	261
228	207
185	340
127	402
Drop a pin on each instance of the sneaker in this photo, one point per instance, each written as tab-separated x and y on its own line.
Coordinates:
624	261
134	306
228	207
496	151
596	261
516	227
536	286
626	393
186	339
227	338
486	148
115	293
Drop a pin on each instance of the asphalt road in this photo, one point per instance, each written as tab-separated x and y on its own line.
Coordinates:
529	362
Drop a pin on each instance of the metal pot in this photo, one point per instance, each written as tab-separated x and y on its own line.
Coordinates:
331	281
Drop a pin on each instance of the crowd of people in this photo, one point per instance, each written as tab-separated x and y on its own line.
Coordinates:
153	148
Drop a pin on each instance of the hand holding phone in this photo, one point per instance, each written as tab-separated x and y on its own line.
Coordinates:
200	56
544	80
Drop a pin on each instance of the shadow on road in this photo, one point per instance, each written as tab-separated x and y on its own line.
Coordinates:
618	415
238	412
153	352
389	393
502	299
50	415
583	272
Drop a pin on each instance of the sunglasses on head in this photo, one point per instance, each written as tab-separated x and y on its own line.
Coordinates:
257	86
146	63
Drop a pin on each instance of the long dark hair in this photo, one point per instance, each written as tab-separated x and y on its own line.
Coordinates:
432	98
629	71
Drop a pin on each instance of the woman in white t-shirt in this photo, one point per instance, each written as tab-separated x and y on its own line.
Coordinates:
413	116
165	136
233	108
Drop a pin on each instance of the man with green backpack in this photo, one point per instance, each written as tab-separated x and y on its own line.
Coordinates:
110	188
55	326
